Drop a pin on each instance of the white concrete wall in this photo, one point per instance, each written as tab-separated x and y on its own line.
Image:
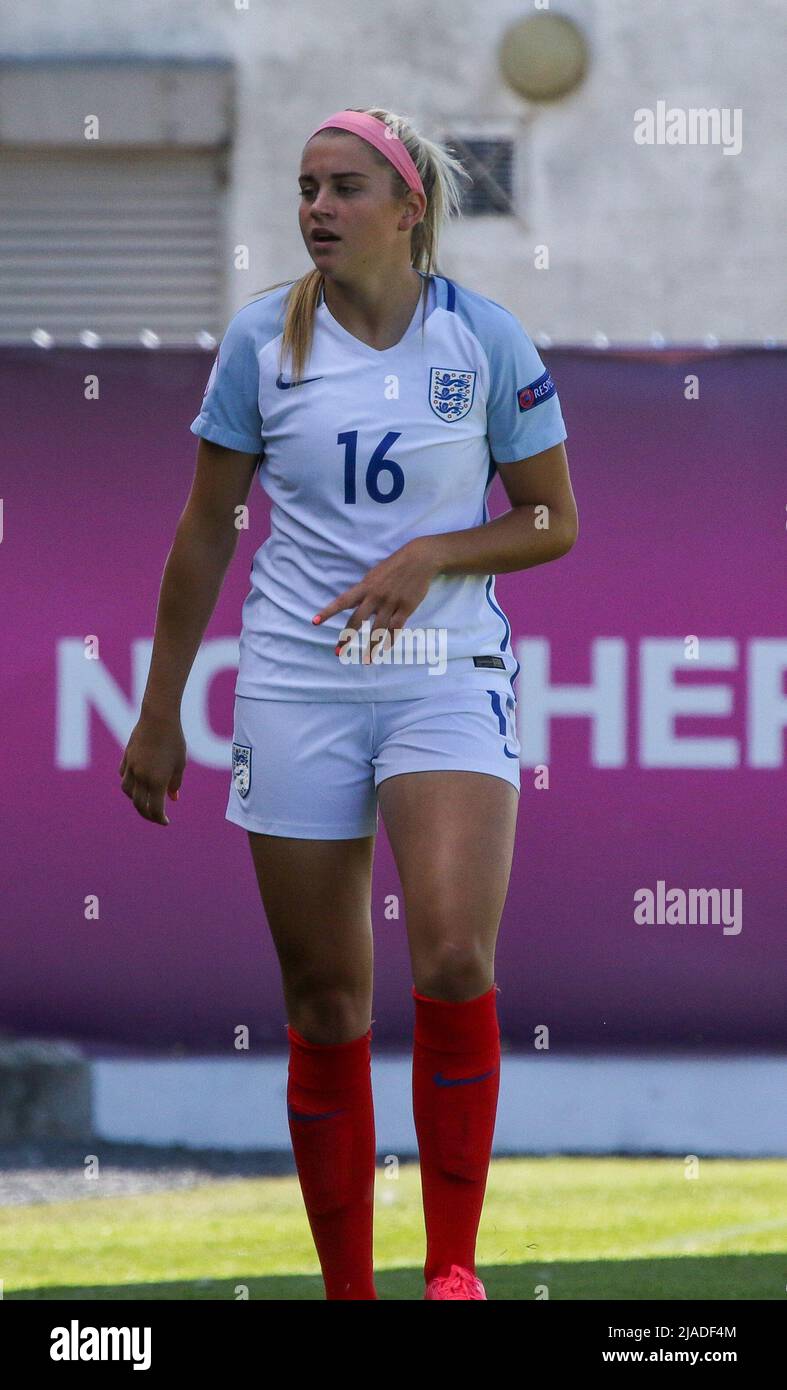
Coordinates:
709	1106
682	240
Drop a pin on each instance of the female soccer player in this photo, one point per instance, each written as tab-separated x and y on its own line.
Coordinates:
375	663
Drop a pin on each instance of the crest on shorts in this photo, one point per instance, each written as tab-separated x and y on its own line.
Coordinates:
241	768
451	392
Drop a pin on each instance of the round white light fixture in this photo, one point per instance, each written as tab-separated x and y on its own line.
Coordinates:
544	56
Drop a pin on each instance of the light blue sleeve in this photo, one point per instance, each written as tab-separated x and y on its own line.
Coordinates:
230	411
523	410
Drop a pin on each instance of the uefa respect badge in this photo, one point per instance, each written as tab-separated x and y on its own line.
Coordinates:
538	391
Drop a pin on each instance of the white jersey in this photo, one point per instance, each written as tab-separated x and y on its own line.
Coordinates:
368	450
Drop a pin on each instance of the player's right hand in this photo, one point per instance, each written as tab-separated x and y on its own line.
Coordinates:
153	764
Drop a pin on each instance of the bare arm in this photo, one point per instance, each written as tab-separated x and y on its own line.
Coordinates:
204	544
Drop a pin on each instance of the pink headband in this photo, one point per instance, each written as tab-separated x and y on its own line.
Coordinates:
384	139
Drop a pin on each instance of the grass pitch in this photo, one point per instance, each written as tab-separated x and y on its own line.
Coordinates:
577	1228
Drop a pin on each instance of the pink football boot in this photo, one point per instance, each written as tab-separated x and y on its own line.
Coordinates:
459	1284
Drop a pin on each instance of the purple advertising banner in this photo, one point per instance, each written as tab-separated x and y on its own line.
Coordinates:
647	899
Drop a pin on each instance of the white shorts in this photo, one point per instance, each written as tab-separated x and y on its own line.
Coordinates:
310	769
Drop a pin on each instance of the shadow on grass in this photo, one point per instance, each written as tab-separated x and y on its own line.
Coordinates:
721	1277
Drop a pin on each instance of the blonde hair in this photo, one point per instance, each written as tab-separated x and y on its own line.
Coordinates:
440	172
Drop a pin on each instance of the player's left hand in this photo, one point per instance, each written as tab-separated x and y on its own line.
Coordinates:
391	590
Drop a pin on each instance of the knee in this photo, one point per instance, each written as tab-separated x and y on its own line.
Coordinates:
328	1012
454	970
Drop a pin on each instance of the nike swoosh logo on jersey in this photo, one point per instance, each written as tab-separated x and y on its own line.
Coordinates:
283	385
441	1080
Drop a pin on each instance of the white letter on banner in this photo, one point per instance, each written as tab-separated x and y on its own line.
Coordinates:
603	701
661	700
81	686
767	712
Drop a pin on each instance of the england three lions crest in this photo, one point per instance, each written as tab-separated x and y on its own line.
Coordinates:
241	768
451	393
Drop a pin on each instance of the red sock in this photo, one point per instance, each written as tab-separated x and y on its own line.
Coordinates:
335	1156
455	1123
